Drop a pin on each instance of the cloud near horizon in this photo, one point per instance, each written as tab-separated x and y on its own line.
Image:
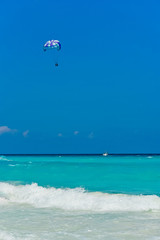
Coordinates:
6	129
76	132
60	134
25	133
91	135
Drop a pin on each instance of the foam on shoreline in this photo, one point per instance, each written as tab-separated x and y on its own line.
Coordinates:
75	199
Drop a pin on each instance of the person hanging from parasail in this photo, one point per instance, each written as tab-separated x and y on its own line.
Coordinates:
50	45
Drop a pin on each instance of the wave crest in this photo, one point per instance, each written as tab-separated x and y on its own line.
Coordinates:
75	199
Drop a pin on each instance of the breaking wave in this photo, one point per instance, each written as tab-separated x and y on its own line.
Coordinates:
3	158
75	199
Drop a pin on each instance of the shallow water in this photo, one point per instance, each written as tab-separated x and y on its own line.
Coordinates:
79	197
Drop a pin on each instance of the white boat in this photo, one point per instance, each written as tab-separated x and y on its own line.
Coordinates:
105	154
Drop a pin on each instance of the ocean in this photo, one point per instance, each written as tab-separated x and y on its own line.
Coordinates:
73	197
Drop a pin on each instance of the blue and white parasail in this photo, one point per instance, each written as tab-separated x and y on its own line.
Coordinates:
52	44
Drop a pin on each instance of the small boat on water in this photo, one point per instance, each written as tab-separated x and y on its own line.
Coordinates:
105	154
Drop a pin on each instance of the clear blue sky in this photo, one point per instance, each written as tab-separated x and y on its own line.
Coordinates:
105	94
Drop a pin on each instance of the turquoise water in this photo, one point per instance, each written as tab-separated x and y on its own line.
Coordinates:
79	197
112	174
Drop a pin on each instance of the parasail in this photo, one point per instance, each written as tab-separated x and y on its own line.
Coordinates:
52	44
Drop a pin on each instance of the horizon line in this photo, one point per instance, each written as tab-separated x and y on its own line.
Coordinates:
76	154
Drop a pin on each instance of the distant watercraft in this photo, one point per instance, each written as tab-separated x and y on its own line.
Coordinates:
105	154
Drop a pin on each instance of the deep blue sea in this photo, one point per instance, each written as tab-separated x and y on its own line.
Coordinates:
79	197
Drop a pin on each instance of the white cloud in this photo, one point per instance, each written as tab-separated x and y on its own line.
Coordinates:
91	135
76	132
6	129
60	135
25	133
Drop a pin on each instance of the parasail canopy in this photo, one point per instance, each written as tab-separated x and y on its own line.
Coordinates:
52	44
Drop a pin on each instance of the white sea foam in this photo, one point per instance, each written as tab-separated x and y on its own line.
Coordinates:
6	236
3	158
10	236
75	199
3	201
